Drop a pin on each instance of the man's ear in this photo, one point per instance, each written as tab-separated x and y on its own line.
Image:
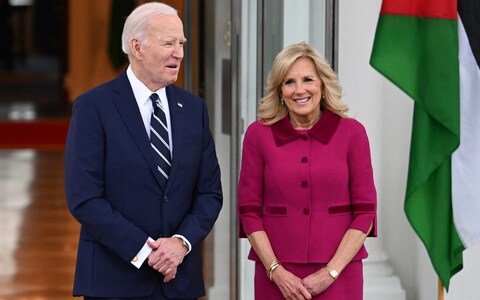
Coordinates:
136	48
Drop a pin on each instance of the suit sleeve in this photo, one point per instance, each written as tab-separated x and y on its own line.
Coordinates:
250	186
362	188
85	184
207	193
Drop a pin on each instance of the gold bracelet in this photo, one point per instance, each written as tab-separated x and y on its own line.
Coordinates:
271	271
272	268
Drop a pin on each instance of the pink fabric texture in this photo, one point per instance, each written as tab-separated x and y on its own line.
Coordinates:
306	189
348	286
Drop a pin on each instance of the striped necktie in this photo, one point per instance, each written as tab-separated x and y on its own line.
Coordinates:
159	138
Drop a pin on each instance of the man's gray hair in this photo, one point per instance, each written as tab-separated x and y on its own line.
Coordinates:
137	22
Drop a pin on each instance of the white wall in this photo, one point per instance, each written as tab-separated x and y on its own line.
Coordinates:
219	50
386	112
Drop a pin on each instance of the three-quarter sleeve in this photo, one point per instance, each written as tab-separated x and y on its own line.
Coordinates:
362	188
250	186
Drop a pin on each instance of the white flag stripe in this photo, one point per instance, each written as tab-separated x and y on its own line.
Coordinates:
466	159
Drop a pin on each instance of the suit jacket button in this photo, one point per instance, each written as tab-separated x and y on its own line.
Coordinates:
304	159
306	211
165	199
304	184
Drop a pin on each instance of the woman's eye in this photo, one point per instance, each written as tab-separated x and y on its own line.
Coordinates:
289	82
308	79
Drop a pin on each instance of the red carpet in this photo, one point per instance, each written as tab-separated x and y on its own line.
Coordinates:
46	134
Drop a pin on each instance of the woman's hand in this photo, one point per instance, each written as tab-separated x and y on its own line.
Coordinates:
290	285
318	282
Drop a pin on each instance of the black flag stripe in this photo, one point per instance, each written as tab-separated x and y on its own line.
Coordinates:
469	12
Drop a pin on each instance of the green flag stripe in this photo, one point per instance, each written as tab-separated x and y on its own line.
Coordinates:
429	206
420	56
431	144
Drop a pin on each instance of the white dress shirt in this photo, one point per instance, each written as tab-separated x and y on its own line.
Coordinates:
142	94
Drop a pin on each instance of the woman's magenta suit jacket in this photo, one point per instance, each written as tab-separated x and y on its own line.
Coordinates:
306	188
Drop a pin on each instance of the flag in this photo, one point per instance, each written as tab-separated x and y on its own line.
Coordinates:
418	46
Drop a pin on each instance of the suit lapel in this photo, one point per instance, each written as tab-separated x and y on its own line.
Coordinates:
128	110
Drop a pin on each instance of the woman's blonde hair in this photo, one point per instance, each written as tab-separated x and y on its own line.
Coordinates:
271	110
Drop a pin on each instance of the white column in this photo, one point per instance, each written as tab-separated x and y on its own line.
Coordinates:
380	282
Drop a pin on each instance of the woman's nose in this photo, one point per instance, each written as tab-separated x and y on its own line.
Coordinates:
299	88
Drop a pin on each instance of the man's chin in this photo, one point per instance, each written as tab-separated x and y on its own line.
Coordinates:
173	80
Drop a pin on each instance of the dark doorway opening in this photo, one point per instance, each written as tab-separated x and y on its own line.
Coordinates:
33	59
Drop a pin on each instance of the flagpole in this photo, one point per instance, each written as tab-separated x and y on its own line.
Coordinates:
440	290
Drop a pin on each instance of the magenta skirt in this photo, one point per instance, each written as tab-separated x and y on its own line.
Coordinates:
348	286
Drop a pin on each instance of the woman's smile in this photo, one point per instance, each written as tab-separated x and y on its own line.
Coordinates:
302	100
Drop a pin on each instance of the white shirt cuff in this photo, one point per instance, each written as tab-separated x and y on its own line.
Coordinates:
185	242
141	256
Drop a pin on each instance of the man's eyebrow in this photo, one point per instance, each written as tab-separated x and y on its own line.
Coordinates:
173	40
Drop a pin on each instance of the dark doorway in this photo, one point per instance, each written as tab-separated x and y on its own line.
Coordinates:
33	59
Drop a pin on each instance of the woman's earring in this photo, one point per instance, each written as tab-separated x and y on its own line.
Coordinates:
323	97
281	100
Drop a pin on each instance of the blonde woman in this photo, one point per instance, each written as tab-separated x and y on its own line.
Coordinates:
306	195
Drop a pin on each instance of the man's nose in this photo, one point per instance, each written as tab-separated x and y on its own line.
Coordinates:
178	51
